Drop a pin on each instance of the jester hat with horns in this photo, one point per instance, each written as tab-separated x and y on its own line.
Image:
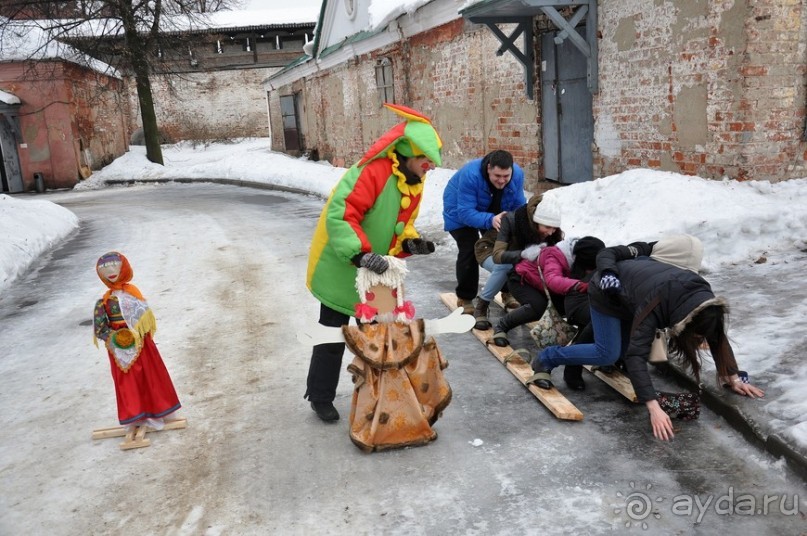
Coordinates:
414	137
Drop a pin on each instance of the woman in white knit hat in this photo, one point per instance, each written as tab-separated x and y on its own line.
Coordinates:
523	234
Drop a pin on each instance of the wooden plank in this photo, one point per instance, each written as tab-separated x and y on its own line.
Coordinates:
555	402
138	441
120	431
616	379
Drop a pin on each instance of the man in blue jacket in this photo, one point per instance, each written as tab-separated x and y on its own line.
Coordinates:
474	201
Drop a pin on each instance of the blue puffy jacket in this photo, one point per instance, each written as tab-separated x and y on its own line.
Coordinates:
468	195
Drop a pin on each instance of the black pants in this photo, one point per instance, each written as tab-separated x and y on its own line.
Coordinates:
467	267
326	360
527	294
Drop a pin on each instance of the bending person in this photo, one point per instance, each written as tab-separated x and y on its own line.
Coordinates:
370	214
523	234
632	300
475	201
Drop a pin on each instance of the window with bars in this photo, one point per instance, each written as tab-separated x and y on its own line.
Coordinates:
383	80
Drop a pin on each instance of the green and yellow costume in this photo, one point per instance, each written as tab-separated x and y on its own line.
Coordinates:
371	209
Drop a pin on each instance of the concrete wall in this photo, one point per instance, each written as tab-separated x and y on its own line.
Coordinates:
207	106
708	87
69	118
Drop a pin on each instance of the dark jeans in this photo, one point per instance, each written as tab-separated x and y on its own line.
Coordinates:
326	360
467	267
610	342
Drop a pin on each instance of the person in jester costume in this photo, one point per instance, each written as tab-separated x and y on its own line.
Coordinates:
369	214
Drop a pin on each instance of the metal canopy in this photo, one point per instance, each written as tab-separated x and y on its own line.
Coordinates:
521	12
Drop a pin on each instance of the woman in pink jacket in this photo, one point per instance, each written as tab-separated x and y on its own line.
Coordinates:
526	286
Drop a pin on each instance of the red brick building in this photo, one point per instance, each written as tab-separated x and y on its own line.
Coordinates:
70	119
714	88
77	115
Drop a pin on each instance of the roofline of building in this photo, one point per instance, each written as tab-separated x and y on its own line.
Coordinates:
208	31
428	16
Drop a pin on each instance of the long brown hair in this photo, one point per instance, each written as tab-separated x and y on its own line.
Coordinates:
710	324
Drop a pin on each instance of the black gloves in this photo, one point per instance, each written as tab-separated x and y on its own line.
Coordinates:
417	246
372	261
609	283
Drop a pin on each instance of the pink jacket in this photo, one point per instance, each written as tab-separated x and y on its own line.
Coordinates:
556	271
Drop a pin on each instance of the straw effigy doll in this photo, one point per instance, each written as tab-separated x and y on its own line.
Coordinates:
126	324
399	388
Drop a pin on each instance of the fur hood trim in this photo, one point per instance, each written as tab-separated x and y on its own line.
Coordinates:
718	300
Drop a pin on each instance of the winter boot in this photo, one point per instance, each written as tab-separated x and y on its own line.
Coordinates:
542	377
467	306
481	314
513	319
509	301
573	376
325	411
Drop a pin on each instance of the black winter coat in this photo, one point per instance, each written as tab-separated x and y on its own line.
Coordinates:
642	281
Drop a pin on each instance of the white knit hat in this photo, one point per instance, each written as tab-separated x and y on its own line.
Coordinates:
547	213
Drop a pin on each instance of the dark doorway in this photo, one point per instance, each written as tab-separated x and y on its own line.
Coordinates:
3	179
291	122
567	116
10	171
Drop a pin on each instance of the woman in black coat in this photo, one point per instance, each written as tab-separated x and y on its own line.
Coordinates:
629	302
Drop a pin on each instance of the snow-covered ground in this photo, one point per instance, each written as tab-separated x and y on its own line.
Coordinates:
746	227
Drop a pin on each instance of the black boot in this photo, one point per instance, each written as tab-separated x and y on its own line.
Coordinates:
481	314
513	319
542	377
325	411
573	376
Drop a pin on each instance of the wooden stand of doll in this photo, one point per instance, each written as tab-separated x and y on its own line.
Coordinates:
144	391
399	388
135	436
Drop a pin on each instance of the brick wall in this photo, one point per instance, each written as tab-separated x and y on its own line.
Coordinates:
101	113
70	118
712	88
476	100
207	106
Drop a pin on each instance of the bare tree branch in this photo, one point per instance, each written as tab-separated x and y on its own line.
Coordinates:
112	37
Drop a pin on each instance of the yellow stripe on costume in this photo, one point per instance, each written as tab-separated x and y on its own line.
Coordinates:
318	242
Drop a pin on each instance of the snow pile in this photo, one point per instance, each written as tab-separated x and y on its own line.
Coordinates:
30	228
